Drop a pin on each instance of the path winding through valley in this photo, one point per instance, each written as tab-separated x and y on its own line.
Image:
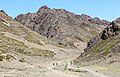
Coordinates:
63	74
55	49
90	71
60	73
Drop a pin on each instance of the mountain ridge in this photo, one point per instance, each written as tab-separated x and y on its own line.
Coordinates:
46	41
63	27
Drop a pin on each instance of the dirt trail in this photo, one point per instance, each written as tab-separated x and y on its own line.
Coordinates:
90	71
95	73
62	74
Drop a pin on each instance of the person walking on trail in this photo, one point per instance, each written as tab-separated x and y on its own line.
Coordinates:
56	64
53	64
71	63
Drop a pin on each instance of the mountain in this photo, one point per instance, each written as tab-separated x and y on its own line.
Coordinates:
21	47
63	27
17	41
46	42
104	48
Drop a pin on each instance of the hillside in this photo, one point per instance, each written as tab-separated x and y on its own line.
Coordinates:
17	40
102	53
20	46
25	53
64	28
104	47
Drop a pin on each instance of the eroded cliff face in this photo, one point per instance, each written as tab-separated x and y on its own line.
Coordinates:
63	27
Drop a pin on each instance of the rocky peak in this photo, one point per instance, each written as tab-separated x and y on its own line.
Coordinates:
60	25
117	20
2	11
94	20
85	17
43	8
110	31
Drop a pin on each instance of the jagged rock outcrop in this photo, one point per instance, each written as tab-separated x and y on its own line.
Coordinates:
2	11
104	46
111	31
63	27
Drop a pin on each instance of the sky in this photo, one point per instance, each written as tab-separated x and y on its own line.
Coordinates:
104	9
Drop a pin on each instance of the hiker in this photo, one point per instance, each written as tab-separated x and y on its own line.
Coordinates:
56	64
71	62
53	64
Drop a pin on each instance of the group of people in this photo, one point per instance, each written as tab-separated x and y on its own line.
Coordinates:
67	64
55	64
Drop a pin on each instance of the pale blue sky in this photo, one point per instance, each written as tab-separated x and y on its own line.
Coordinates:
104	9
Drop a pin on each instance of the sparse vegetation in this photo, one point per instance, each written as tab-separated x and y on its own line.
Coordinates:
37	52
9	57
106	45
1	58
102	47
22	60
24	52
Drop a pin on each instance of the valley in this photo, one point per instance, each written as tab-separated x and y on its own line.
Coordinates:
58	43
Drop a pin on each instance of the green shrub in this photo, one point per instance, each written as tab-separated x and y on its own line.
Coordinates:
1	58
22	60
9	57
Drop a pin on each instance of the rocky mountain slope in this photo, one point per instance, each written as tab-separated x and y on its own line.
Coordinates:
25	53
63	27
20	44
17	40
104	48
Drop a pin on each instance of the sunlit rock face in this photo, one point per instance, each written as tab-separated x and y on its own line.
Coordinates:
63	27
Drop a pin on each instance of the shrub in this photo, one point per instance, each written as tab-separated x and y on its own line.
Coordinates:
22	60
9	57
1	58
